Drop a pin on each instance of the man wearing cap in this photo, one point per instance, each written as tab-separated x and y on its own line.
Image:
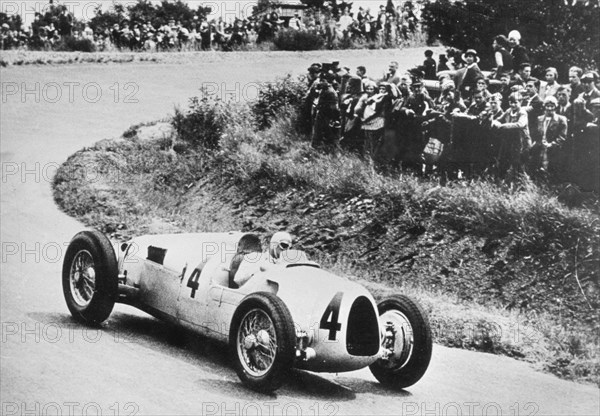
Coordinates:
549	136
253	263
327	120
465	78
313	73
590	91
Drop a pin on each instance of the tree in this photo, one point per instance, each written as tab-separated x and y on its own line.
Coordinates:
556	34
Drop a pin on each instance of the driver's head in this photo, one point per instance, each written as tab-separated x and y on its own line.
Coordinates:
280	241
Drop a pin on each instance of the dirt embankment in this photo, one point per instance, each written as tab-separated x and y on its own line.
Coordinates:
481	293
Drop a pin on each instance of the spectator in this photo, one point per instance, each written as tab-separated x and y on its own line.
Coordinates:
465	78
327	123
503	58
518	52
443	64
481	84
575	74
523	75
505	89
295	23
549	136
371	113
532	104
549	88
590	91
392	75
429	65
478	104
345	21
513	126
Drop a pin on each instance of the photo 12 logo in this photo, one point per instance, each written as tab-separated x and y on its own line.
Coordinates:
13	408
69	92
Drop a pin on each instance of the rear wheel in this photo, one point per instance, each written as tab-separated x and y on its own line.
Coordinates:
262	341
408	338
90	277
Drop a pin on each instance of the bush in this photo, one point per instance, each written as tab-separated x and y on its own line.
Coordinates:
556	34
275	97
202	126
298	40
73	44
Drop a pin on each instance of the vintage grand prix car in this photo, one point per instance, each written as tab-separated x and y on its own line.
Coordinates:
291	315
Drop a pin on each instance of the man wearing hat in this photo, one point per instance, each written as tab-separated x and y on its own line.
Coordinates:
313	73
465	78
548	154
590	91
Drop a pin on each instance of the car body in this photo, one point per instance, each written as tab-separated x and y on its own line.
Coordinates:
291	314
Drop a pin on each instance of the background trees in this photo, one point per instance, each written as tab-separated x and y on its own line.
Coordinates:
557	33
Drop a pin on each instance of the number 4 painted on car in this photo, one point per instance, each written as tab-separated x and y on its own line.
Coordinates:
329	320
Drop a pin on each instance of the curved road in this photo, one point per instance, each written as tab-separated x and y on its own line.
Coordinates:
51	365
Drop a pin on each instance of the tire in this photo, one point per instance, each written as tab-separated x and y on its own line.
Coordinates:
250	347
412	346
90	277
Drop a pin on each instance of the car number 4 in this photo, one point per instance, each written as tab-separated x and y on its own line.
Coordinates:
329	320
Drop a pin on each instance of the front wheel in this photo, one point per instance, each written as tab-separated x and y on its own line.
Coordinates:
262	341
407	338
90	277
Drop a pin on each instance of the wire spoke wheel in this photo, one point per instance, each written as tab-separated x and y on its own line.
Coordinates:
262	341
257	342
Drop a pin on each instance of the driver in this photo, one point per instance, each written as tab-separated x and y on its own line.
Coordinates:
259	262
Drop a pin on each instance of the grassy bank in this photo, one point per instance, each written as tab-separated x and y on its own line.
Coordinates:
503	269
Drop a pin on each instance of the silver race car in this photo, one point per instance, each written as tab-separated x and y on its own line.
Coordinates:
291	315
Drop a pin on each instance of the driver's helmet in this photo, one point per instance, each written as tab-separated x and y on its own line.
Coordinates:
280	241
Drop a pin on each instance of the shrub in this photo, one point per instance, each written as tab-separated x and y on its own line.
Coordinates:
202	126
298	40
73	44
274	97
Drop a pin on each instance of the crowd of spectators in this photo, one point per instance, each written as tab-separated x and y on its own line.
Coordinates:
453	118
388	27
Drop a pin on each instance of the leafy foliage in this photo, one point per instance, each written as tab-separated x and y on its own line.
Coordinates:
274	97
71	43
556	34
298	40
203	124
147	12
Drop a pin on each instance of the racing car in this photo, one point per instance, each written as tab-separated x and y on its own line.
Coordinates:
292	315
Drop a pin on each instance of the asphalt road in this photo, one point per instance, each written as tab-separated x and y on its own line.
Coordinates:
134	364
